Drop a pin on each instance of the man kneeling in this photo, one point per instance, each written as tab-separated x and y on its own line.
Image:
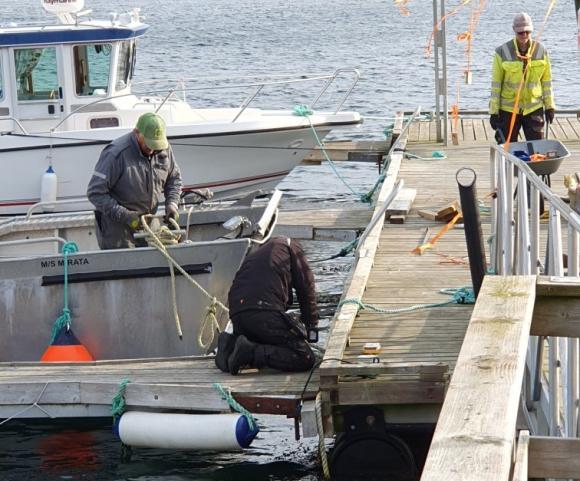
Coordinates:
261	293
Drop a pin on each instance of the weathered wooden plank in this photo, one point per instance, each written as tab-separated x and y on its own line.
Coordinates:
475	432
556	316
403	202
556	458
395	392
468	132
548	286
433	369
521	464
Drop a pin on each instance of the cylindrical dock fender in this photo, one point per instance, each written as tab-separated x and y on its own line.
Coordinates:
48	188
210	432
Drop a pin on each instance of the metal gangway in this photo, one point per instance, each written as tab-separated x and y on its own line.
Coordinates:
517	370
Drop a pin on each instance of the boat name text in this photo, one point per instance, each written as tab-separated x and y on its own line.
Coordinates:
82	261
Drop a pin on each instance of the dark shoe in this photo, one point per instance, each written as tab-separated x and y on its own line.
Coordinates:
242	355
225	346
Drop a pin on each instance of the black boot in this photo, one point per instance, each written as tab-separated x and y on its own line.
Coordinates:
225	346
243	354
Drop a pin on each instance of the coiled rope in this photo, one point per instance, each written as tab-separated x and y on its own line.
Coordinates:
210	319
64	321
462	295
236	406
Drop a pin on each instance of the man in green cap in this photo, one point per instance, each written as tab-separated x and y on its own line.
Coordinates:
132	173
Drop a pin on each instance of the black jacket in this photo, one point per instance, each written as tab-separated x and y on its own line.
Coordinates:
267	276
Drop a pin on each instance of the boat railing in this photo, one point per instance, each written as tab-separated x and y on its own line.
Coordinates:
517	229
173	88
52	203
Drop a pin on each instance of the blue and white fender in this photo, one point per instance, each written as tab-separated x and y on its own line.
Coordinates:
213	432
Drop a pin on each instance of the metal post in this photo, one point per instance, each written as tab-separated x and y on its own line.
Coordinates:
444	72
466	178
440	56
436	58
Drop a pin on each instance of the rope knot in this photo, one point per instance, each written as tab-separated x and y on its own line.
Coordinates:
302	110
70	248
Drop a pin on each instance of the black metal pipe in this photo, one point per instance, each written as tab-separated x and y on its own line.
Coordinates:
466	178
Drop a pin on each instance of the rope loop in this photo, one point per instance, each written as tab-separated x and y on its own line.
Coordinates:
236	406
209	324
462	295
64	320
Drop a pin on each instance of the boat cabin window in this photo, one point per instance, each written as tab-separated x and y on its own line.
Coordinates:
36	73
126	65
92	68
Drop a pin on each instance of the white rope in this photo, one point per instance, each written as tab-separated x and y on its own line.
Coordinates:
321	445
28	408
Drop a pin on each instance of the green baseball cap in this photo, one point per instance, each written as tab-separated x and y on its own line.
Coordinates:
152	127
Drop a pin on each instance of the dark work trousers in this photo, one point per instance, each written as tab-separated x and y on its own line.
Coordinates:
533	124
279	346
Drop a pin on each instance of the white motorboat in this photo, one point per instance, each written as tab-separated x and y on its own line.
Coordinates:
66	90
121	301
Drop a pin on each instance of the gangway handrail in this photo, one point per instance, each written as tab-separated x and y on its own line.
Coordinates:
516	250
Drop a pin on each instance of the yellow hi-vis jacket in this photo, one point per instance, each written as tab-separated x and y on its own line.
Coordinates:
506	76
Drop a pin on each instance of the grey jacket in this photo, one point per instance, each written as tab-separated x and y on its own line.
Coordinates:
126	182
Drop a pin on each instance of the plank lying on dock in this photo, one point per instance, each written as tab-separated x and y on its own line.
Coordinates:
323	224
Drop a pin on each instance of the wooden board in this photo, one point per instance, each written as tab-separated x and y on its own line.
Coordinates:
475	430
403	202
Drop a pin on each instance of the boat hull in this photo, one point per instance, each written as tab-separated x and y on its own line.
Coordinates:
120	300
230	164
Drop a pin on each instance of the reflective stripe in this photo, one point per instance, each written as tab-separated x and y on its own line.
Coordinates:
546	84
496	85
99	175
505	53
495	95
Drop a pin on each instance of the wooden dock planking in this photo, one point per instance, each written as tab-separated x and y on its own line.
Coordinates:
183	383
397	278
476	129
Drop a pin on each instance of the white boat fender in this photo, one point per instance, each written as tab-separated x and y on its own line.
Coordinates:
209	432
48	187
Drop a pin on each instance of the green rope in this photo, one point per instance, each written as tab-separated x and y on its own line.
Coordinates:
65	319
118	404
368	197
235	405
305	111
343	252
437	154
462	295
388	130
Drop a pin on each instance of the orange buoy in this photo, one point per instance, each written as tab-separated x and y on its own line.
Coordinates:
66	348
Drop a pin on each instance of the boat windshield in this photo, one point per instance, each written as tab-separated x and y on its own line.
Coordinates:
126	64
92	68
36	73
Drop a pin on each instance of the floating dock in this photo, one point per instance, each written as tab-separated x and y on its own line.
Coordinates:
443	385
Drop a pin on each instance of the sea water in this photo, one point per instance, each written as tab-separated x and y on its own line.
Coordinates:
199	39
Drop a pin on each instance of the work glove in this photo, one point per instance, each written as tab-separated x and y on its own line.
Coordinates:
494	121
171	213
550	115
133	220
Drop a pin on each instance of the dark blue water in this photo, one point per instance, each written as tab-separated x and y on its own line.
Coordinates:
209	38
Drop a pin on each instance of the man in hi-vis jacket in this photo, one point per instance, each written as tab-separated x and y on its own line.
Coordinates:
527	59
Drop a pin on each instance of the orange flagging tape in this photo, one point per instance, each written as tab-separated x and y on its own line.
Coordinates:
431	242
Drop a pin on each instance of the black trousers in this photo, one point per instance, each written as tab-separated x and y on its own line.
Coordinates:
532	123
279	345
